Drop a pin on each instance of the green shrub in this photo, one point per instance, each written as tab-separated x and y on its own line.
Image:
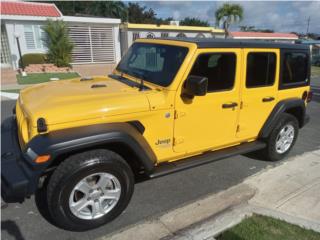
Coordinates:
58	42
33	58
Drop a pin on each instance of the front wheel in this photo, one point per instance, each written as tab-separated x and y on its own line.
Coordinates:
281	139
89	189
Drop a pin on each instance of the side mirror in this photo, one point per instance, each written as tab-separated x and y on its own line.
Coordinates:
195	86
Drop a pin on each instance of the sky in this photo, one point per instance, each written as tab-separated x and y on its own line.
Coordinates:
283	16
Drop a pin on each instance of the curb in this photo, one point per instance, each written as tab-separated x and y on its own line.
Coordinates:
214	225
169	224
219	223
307	224
13	96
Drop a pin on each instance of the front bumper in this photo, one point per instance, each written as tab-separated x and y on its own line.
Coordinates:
18	177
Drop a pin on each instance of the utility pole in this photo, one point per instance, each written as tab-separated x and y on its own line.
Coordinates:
308	26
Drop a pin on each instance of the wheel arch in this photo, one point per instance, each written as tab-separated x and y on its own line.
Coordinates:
294	106
122	138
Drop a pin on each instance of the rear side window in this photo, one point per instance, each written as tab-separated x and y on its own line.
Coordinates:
295	68
219	68
261	69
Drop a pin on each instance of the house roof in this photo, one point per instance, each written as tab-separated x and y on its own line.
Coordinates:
171	27
29	9
262	35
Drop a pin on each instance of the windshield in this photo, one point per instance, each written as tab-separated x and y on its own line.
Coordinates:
155	63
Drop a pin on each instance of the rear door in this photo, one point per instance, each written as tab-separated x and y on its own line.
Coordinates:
259	87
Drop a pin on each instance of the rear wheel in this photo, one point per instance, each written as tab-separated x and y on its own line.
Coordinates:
281	139
89	189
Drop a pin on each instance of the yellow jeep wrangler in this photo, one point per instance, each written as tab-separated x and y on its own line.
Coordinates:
170	104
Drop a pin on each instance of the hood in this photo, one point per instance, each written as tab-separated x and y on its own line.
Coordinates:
73	100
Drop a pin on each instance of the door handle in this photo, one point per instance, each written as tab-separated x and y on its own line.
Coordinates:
229	105
267	99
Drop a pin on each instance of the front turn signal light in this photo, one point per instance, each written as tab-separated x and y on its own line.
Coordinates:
42	159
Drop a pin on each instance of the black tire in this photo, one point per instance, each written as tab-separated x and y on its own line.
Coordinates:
270	153
73	170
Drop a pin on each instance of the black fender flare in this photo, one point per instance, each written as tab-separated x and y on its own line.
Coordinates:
70	140
281	107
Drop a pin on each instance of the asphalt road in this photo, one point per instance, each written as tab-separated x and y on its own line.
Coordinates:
154	197
315	86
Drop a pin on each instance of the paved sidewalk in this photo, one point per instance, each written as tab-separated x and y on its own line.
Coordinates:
8	96
292	188
14	86
290	191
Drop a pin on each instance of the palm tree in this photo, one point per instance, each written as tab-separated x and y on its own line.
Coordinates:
227	14
113	9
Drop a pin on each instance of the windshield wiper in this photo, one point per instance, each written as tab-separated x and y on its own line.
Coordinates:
142	77
125	80
136	73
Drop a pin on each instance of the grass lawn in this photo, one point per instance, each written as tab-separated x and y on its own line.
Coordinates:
260	227
11	91
315	71
33	78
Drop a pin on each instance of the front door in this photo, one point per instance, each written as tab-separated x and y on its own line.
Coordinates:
210	121
258	90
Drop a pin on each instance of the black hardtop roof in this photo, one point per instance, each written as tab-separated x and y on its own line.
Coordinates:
234	43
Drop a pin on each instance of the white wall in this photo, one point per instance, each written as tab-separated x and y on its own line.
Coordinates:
117	43
13	27
16	26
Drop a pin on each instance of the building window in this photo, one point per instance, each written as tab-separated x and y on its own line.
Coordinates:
150	35
34	37
295	68
200	35
261	69
219	68
164	34
92	44
5	51
135	36
181	35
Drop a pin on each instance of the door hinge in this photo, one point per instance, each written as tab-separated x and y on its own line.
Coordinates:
238	128
178	114
177	141
241	105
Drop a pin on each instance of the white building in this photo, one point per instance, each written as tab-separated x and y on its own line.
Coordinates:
96	40
129	32
275	36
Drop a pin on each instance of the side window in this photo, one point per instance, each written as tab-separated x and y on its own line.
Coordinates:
295	68
29	37
261	69
35	37
219	68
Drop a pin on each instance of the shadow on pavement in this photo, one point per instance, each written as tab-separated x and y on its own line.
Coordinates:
12	229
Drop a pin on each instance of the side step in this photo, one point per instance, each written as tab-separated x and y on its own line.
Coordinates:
208	157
